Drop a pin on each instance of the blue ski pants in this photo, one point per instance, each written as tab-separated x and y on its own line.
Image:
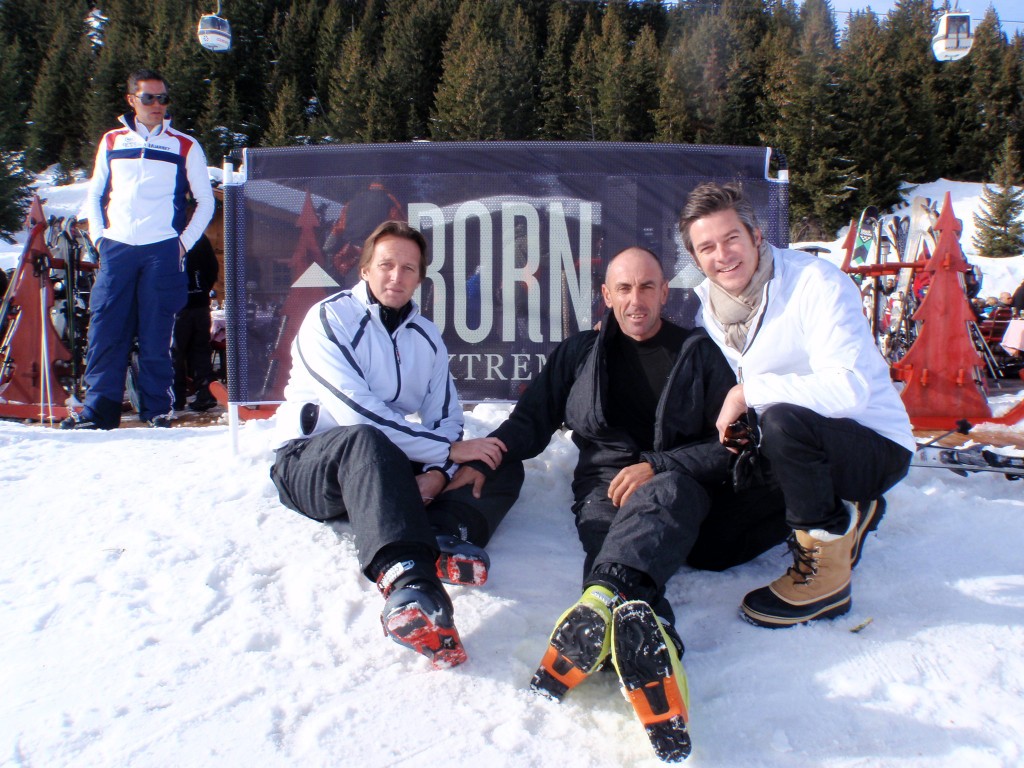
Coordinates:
138	291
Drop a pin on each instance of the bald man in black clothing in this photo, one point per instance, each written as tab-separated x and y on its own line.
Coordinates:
652	485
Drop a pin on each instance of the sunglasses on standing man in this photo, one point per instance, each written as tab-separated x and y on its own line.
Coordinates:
148	98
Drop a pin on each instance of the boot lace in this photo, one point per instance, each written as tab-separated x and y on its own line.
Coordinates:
805	562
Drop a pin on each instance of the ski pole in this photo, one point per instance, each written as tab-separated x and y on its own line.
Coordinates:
44	362
963	426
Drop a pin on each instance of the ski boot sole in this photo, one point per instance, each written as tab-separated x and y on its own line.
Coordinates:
577	647
411	626
461	570
461	562
653	681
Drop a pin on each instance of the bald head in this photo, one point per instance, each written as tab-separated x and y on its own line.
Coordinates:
633	251
635	290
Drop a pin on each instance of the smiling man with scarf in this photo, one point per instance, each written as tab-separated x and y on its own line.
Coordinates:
832	428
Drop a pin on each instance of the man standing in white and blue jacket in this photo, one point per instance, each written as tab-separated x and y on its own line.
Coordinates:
137	212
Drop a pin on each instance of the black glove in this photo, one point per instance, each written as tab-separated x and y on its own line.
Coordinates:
749	469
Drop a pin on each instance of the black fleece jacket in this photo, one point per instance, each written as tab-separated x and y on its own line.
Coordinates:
572	389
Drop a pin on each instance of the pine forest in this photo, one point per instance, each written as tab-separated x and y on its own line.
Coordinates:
854	108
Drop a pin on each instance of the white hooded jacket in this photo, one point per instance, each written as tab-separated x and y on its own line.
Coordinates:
810	345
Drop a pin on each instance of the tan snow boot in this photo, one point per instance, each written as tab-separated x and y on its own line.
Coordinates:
816	586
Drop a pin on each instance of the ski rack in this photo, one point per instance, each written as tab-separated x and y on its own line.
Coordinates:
38	372
941	384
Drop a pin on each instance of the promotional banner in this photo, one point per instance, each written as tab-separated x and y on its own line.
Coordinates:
519	235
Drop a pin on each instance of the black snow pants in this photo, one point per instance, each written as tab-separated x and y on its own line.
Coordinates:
674	519
819	461
357	473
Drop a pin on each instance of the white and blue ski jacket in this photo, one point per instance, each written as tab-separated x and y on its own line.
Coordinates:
137	194
345	361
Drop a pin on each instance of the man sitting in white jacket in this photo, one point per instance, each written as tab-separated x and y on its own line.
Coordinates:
833	430
363	362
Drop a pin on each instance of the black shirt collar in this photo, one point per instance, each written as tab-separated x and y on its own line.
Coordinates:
392	318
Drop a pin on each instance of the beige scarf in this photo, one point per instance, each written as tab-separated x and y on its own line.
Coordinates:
736	313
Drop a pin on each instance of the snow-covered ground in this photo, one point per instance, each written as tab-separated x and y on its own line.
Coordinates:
159	607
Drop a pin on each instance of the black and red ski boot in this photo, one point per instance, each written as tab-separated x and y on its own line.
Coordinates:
461	562
418	614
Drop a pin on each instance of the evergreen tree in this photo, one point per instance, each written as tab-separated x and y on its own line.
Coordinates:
799	105
584	77
26	28
180	59
626	84
287	126
123	38
372	23
187	78
1000	230
555	110
468	105
216	126
55	115
12	108
675	117
694	89
245	72
1015	127
914	136
294	36
349	94
867	113
746	25
991	98
642	73
518	50
339	19
164	24
14	194
611	87
611	53
409	67
647	14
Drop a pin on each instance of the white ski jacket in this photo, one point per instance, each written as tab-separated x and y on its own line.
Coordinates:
137	192
345	361
811	345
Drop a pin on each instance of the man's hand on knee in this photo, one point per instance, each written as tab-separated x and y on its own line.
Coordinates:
489	450
468	476
628	480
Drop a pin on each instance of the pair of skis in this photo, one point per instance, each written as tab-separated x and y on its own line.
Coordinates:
904	239
964	461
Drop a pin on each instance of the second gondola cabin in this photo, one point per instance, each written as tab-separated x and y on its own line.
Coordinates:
953	38
214	33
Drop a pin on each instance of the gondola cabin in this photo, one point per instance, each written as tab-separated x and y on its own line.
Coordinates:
953	39
214	33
